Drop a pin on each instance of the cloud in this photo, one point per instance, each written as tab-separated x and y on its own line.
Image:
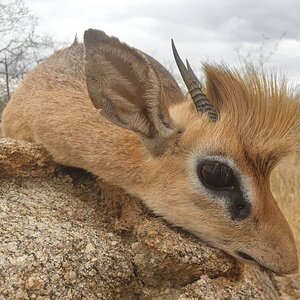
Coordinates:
203	30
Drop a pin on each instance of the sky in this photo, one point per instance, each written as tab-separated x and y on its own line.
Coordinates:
226	31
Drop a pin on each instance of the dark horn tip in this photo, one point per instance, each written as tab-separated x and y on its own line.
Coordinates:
173	46
191	80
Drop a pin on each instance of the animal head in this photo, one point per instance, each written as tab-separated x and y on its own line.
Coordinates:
208	156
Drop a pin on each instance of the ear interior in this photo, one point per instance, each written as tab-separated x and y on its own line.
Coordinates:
122	82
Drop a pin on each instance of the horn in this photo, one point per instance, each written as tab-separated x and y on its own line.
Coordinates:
194	87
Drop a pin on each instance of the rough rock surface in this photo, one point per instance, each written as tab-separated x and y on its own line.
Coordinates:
65	235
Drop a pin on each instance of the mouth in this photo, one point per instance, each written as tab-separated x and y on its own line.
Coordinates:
245	257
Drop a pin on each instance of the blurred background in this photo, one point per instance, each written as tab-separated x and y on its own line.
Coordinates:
265	33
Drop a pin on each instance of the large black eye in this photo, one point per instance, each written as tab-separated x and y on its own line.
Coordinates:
216	175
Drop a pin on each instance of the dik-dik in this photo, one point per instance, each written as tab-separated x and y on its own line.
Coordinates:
203	162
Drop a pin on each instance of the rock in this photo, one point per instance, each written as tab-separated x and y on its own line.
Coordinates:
66	235
18	158
34	283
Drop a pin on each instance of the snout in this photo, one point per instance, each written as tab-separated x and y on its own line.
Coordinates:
267	240
280	253
272	244
282	256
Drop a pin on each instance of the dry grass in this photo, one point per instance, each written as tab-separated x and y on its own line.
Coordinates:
286	189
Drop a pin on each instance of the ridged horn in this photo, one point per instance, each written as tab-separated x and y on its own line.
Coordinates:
194	87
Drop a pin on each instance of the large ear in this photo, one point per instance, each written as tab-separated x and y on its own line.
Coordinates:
122	82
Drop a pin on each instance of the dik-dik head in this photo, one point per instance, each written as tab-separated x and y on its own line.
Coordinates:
208	158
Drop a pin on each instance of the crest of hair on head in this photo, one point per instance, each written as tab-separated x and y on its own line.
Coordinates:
260	107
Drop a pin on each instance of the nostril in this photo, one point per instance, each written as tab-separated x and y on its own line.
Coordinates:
244	256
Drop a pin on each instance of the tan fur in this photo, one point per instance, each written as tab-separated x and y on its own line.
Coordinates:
154	160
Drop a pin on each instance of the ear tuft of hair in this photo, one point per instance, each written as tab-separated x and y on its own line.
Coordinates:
125	85
261	107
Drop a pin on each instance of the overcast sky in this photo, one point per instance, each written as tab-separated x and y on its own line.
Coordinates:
204	30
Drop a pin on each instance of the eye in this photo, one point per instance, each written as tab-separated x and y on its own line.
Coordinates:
216	175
